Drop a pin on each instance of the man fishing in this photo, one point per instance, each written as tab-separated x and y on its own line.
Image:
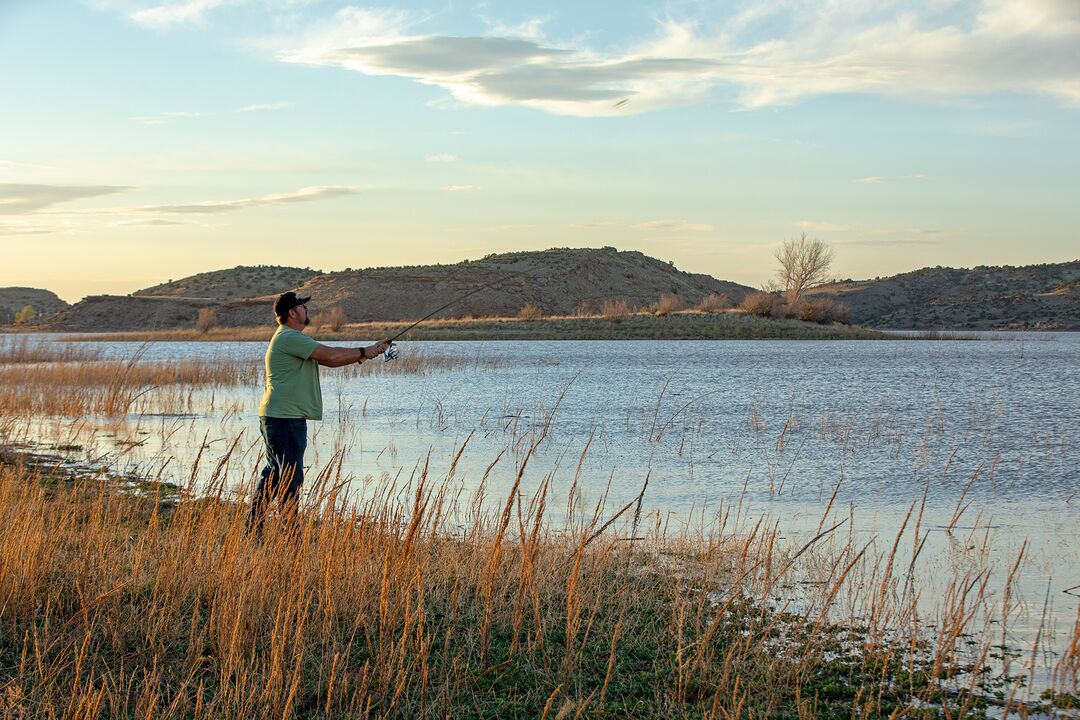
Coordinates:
292	397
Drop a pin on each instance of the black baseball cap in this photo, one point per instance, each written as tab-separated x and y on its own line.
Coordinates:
287	301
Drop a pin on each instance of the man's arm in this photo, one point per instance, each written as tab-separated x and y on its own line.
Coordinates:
338	357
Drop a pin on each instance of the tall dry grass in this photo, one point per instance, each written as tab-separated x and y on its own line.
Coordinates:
74	389
615	308
415	604
668	304
18	350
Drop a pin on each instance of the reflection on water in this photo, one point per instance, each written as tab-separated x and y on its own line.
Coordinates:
984	431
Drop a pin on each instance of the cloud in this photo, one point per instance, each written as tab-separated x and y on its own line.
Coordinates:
813	226
22	199
766	54
442	158
281	105
882	179
307	194
151	222
677	225
596	224
185	12
459	188
212	207
19	227
165	117
6	165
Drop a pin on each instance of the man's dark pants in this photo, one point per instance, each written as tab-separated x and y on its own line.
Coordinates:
285	440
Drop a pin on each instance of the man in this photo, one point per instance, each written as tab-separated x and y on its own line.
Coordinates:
292	397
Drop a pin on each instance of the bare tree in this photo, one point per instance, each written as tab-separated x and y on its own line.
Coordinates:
804	263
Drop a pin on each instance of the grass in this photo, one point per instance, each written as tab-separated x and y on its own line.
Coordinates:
689	325
112	605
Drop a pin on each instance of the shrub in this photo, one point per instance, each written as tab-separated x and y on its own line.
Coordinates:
206	319
822	310
26	315
334	318
714	302
586	308
529	311
615	309
668	304
761	304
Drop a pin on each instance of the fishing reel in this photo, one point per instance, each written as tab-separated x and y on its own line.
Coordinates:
391	353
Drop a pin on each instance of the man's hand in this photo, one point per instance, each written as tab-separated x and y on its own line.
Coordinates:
379	348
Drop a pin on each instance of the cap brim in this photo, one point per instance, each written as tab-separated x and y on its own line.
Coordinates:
303	301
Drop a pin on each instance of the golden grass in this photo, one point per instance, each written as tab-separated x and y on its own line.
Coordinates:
412	605
74	389
22	349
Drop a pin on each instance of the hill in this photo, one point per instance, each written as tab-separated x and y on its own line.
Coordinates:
1043	296
238	282
14	299
559	281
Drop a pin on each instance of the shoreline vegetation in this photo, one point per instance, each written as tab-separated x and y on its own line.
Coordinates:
684	325
125	596
148	600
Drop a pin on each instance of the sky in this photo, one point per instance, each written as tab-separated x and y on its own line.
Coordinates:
148	140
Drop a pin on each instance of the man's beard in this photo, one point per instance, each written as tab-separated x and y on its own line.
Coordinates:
307	321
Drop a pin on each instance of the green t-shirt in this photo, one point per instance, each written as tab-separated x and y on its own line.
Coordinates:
292	377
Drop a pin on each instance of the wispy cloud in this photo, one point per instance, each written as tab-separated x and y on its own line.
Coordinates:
677	225
22	199
766	54
442	158
596	224
165	117
261	107
182	12
459	188
212	207
822	227
151	222
11	165
882	179
207	207
876	236
21	227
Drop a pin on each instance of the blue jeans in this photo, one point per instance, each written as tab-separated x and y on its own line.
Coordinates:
285	440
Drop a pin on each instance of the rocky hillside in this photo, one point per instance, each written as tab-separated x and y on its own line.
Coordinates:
14	299
560	281
239	282
982	298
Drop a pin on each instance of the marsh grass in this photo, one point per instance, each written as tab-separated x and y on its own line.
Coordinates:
412	604
110	388
23	349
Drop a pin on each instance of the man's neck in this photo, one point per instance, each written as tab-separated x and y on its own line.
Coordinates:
295	325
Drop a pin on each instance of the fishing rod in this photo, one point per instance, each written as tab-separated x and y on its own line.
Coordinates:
392	353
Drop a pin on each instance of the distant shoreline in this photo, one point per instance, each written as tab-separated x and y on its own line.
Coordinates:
638	326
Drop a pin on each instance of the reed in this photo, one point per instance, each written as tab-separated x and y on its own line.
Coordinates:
22	349
75	389
120	605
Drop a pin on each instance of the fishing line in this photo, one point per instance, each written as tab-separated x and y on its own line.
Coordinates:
392	353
